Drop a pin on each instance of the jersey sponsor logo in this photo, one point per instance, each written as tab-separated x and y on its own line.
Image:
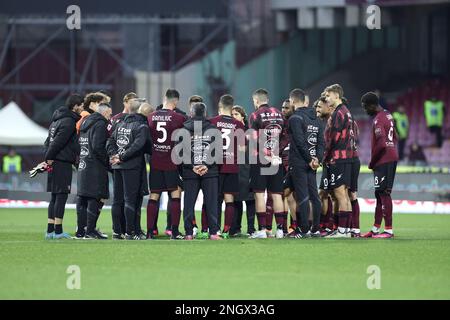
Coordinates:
312	139
272	130
82	165
84	152
200	147
122	141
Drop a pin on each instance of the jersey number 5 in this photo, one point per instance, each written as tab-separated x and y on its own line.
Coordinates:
160	127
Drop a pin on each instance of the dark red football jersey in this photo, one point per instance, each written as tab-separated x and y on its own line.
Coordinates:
340	142
227	126
115	120
162	124
384	140
268	121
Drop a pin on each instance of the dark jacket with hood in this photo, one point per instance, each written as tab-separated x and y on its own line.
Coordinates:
306	137
130	140
62	141
200	148
92	178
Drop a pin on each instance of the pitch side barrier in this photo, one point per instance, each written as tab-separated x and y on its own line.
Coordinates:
426	192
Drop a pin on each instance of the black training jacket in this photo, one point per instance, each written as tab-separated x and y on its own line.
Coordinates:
92	177
130	140
62	141
305	136
199	148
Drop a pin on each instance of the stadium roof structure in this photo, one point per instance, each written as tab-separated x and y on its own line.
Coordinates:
16	129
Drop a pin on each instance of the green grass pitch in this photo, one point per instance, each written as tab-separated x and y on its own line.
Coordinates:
414	265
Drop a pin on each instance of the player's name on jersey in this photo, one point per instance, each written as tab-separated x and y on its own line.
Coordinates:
226	125
161	117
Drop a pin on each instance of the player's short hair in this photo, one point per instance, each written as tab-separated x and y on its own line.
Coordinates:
297	95
261	94
134	106
102	107
227	101
195	98
336	88
199	109
146	108
316	103
370	99
172	94
129	96
106	93
95	97
286	101
322	98
74	100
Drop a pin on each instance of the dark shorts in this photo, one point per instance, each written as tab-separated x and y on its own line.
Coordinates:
229	183
59	180
287	181
356	166
384	176
339	174
260	182
324	178
161	181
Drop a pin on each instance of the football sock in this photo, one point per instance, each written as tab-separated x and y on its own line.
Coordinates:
175	210
58	228
355	214
280	217
229	214
152	209
343	221
378	210
261	216
386	202
50	227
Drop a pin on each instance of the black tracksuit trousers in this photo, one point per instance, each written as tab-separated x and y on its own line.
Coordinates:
210	189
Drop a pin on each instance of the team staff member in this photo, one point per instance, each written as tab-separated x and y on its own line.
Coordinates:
164	175
305	156
143	109
61	151
228	177
339	156
126	148
201	171
384	157
267	121
118	216
92	177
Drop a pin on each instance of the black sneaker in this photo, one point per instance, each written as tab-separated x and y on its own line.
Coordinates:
141	235
101	234
178	236
302	235
118	236
79	234
95	235
150	236
131	236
